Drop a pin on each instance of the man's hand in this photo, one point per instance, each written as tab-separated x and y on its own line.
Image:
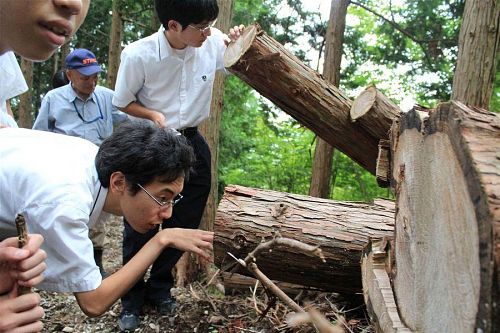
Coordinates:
234	33
191	240
24	266
157	118
20	313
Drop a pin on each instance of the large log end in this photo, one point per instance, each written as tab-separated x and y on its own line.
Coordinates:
235	50
447	184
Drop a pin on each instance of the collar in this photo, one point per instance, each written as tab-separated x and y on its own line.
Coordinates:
164	50
71	94
100	197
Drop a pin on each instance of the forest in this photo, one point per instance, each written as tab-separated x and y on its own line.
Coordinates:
407	49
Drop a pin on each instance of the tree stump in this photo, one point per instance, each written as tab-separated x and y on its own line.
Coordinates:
277	74
446	175
341	229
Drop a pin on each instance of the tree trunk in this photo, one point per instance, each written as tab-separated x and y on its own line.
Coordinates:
478	44
323	153
25	103
115	41
301	92
447	236
341	229
210	129
321	169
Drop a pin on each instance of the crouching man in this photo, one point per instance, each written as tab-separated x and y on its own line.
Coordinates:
62	185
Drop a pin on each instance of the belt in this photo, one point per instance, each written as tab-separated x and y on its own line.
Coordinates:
188	132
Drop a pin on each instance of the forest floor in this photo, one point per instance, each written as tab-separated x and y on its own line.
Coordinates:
199	309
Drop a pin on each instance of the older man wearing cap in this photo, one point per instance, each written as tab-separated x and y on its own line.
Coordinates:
82	109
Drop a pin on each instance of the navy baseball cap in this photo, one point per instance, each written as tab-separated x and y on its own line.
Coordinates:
83	61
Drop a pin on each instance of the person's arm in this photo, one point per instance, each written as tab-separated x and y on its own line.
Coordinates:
96	302
42	120
20	267
137	110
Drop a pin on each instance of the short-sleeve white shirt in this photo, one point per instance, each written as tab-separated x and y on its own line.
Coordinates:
51	179
152	74
12	84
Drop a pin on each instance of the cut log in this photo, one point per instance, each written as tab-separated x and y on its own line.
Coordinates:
375	112
277	74
446	175
246	217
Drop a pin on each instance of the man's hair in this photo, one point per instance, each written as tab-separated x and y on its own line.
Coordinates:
186	11
144	153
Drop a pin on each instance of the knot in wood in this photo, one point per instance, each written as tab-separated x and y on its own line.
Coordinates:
281	210
239	240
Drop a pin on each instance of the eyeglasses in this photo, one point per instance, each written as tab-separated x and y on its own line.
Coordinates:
205	29
172	202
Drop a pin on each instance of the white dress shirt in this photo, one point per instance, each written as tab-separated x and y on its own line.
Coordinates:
12	84
51	179
179	86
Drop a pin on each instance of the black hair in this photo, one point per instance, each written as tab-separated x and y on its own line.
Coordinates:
144	153
59	79
186	11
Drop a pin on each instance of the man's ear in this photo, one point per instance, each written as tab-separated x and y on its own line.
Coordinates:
117	183
174	26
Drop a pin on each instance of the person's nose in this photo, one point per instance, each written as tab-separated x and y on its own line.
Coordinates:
72	6
166	212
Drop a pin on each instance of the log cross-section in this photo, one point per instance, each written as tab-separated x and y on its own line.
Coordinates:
277	74
247	216
446	174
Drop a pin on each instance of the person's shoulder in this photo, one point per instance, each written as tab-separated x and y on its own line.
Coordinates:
142	46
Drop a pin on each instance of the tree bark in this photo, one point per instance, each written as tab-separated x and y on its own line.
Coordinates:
321	169
323	153
25	100
478	44
446	177
301	92
115	41
248	216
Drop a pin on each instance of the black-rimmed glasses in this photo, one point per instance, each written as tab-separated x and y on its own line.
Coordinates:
172	202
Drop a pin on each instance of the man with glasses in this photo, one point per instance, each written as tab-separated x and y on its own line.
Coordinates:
82	109
63	184
167	79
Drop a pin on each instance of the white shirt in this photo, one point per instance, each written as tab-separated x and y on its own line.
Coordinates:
51	179
12	84
159	79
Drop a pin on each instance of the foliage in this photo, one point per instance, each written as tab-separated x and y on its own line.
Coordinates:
407	48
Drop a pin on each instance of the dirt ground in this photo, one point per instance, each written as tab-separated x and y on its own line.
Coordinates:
200	309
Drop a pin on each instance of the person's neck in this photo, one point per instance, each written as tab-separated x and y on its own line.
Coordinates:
83	96
174	42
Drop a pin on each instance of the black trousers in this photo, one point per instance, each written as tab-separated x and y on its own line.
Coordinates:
186	213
